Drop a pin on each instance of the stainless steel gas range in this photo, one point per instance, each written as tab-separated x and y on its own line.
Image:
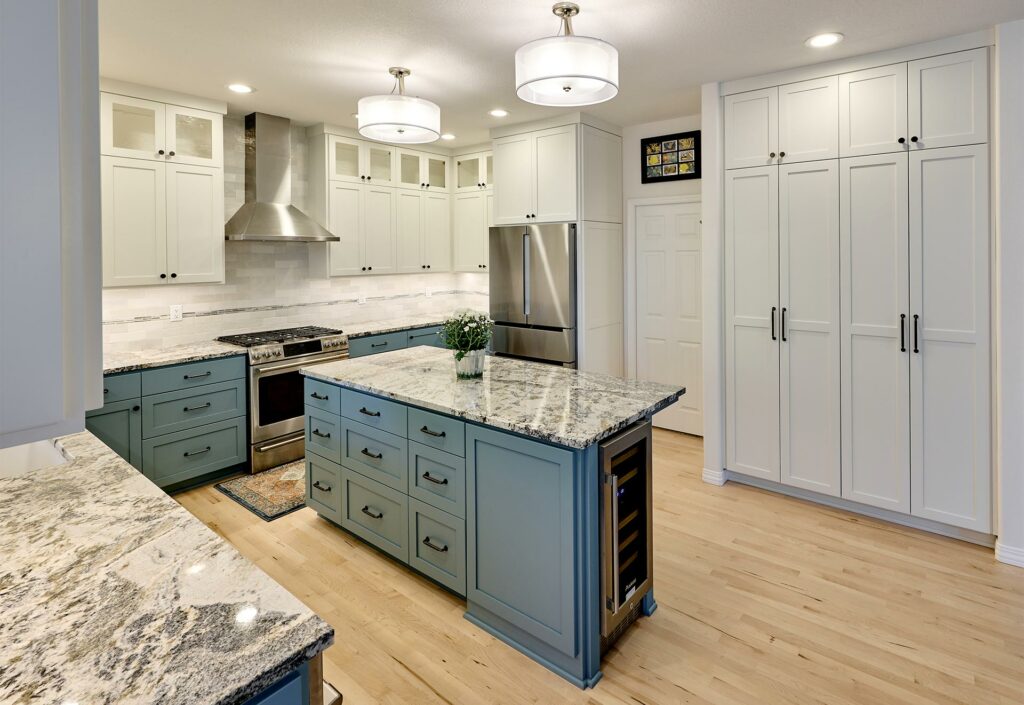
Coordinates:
276	404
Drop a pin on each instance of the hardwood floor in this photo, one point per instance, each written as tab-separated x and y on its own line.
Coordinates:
762	599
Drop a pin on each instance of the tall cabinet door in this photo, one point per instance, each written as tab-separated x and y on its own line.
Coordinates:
555	197
409	227
874	269
949	99
752	302
873	111
470	232
809	325
751	128
379	230
949	300
134	224
345	219
195	223
437	232
808	120
514	170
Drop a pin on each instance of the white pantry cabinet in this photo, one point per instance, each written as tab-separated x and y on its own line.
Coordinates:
873	111
364	218
751	128
535	177
423	224
948	99
473	217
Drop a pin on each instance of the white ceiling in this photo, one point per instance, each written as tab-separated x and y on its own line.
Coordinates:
311	60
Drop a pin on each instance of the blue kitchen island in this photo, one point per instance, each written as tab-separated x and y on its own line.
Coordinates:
500	489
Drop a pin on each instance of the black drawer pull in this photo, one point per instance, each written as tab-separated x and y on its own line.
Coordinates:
317	432
318	397
205	374
368	454
106	391
773	323
207	405
364	410
430	544
782	324
430	478
322	488
435	434
903	332
190	453
366	510
916	349
378	345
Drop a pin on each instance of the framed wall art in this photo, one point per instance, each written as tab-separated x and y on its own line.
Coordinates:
670	157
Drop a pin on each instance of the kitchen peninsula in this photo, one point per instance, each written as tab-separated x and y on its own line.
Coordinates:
527	491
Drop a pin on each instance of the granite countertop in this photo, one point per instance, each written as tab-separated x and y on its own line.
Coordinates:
555	404
113	593
391	325
129	361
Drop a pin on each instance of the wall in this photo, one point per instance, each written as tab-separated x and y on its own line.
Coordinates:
631	136
268	285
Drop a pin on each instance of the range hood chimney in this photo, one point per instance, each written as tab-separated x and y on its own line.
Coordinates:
268	213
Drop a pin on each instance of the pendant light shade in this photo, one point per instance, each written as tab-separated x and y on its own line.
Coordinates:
567	70
399	118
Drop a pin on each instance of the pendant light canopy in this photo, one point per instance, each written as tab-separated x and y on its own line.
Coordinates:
399	118
567	70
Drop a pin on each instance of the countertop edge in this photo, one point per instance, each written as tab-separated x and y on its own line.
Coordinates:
184	359
247	692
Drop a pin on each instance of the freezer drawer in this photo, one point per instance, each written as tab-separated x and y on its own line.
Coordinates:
535	343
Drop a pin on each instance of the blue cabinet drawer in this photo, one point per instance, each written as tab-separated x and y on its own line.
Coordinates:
323	434
424	336
437	478
293	689
188	408
323	396
121	387
377	454
373	411
181	456
442	432
437	545
376	513
193	374
323	487
373	344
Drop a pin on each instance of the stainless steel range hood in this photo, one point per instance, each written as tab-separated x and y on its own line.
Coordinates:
268	213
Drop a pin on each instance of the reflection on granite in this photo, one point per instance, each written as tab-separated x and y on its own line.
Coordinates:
555	404
127	361
110	592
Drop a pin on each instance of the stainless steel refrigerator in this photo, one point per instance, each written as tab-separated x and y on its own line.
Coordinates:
533	292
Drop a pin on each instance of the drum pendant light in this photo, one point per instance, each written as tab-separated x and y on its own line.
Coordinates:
567	69
399	118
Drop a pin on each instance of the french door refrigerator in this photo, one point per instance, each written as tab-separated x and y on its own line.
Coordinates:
533	292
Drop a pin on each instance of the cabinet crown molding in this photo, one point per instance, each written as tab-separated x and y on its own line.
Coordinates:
160	95
557	121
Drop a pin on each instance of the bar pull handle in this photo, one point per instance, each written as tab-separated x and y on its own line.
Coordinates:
430	478
526	274
782	324
915	334
204	374
373	515
367	412
773	324
207	405
903	332
318	397
317	432
190	453
368	454
322	488
435	434
430	544
379	345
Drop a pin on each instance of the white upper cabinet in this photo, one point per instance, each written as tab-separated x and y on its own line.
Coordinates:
345	220
132	127
474	172
409	230
378	244
422	170
195	213
514	179
436	245
751	128
808	120
134	222
873	111
361	162
194	136
423	231
471	235
535	177
948	100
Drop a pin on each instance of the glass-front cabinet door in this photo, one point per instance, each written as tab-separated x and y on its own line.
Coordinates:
132	127
410	172
343	158
194	136
488	174
379	164
436	171
467	173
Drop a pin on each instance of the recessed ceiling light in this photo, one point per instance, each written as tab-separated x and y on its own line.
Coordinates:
498	112
447	136
240	88
826	39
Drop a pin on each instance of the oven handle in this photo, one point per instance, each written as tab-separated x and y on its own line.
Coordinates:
297	365
278	444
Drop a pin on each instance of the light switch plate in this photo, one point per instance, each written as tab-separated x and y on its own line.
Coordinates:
429	292
361	300
175	312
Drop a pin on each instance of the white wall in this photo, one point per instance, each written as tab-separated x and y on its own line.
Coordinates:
631	136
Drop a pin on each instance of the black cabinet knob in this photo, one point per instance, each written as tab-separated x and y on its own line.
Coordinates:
914	138
136	407
160	151
369	178
771	155
364	269
174	275
781	155
369	269
171	153
422	185
363	178
428	266
902	140
423	266
163	276
428	185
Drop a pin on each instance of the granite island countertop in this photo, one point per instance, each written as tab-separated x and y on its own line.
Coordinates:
111	592
554	404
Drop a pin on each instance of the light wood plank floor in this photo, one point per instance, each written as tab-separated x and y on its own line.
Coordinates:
762	599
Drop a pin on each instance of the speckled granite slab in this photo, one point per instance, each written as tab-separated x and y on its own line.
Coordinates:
555	404
361	330
110	592
128	361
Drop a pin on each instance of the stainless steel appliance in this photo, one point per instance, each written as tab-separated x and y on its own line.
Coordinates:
533	292
627	551
276	403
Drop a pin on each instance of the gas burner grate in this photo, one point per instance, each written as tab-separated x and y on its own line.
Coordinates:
249	340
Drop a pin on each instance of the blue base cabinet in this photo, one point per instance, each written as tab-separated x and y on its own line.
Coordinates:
119	425
293	689
399	340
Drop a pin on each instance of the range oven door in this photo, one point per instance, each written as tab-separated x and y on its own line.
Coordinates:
276	403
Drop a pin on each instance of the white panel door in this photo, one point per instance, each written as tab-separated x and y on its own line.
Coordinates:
809	120
873	111
751	128
345	219
874	269
470	232
809	325
409	228
948	99
437	232
668	308
195	223
951	477
379	229
751	334
555	161
134	224
514	179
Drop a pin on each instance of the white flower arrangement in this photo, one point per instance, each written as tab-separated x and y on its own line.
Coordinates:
466	330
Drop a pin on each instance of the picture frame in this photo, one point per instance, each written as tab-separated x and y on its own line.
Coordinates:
670	157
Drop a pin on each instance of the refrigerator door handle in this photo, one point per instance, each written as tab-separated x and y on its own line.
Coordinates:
526	274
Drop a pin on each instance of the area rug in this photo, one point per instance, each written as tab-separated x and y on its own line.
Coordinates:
271	493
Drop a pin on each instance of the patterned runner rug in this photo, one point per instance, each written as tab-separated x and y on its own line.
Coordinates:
271	493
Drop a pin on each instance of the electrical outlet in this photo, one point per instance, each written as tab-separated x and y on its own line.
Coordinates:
361	300
176	312
428	293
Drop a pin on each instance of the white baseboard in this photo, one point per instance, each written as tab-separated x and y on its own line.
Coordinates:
713	477
1009	554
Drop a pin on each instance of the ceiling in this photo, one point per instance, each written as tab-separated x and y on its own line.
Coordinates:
311	60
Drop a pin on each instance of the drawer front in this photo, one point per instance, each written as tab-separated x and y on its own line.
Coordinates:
442	432
373	411
373	344
437	545
376	513
121	387
437	478
424	336
181	456
323	396
183	409
376	454
194	374
323	487
323	434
